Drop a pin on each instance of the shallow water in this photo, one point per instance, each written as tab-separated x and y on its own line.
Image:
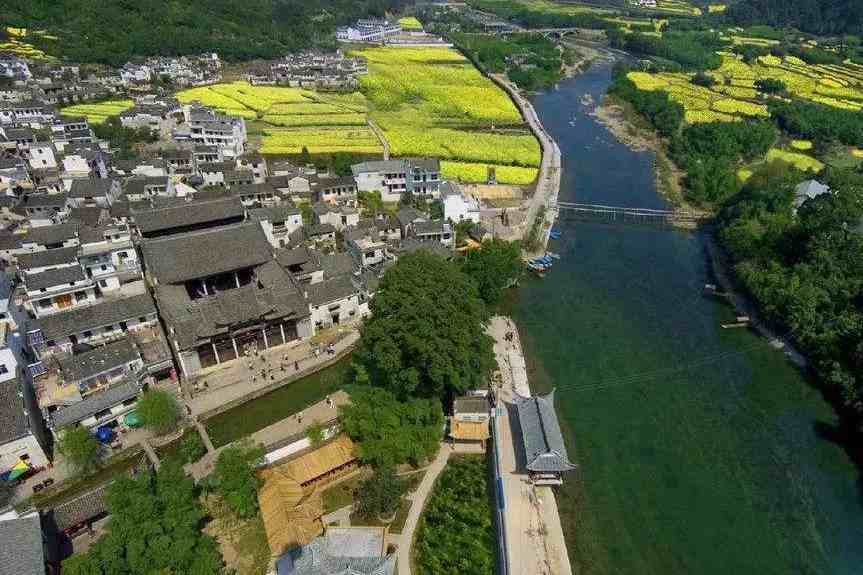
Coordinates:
698	446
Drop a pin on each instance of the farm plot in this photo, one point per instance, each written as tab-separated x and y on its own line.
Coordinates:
294	118
734	95
433	102
99	112
468	172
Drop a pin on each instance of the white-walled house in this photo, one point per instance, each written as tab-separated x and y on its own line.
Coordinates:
459	208
21	432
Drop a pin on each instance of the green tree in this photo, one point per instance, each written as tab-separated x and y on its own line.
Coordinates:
426	336
159	411
380	495
493	267
315	433
389	431
192	446
235	478
79	448
155	528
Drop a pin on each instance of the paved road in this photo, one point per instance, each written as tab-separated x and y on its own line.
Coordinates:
548	182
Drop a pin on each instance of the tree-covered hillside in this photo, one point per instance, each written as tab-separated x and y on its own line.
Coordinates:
114	31
813	16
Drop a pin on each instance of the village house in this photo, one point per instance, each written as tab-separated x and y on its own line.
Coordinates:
278	222
206	127
93	192
459	207
375	30
221	293
366	246
393	178
22	438
303	263
333	190
340	217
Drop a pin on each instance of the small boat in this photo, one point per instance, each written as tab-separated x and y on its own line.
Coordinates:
538	268
553	255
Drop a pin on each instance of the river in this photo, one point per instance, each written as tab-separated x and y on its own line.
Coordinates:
701	450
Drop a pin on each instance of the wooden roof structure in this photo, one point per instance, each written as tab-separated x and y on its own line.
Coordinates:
468	430
291	512
291	517
318	462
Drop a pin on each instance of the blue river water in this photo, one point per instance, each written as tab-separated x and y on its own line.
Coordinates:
701	449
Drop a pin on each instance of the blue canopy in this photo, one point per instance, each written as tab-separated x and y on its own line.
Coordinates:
104	434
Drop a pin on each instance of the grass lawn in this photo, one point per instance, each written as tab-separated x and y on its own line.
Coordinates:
401	517
342	494
257	414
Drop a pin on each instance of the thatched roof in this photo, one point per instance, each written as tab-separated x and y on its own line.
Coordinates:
468	430
312	464
291	518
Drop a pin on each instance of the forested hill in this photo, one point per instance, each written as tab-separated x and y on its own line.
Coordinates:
114	31
813	16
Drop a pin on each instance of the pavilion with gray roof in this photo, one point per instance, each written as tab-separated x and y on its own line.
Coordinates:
544	456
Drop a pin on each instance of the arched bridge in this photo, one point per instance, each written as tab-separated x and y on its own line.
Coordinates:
619	214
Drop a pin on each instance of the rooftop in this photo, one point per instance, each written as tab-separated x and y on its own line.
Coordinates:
99	360
544	448
95	403
22	552
188	214
184	257
13	421
109	312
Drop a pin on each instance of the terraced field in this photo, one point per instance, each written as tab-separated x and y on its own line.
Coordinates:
734	95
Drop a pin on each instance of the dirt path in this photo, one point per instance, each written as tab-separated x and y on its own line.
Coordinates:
380	134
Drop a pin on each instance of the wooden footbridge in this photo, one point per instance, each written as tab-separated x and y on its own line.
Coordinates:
616	214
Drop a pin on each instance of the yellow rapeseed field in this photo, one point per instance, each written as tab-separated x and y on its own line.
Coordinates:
98	112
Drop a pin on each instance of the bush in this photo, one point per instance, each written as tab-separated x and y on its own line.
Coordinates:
380	495
235	479
192	447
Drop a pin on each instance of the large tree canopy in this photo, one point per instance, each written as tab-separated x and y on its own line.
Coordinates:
426	336
389	431
154	528
493	268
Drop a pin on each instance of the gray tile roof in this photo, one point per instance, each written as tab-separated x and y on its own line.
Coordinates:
80	509
42	200
87	215
319	230
197	320
188	214
101	359
93	188
430	227
21	550
90	317
331	290
46	258
275	214
544	448
95	403
200	254
56	277
380	166
13	422
316	558
470	404
46	235
335	265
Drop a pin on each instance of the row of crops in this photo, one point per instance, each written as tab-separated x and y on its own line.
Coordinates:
734	94
433	102
428	102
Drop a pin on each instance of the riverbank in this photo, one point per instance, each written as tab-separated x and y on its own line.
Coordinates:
533	533
631	131
691	439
